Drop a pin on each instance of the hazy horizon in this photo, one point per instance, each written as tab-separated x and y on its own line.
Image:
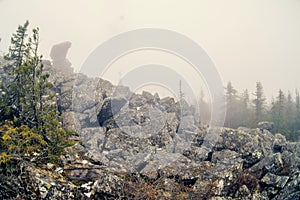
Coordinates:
248	41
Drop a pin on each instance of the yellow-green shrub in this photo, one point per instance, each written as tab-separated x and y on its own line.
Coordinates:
4	158
21	141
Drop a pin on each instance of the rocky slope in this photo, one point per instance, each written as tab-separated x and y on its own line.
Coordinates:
138	146
244	164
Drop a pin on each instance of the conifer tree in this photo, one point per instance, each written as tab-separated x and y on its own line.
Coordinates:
245	114
259	102
231	98
12	83
278	113
26	97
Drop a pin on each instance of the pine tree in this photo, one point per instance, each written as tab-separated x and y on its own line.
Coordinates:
181	94
231	100
259	102
12	84
204	109
278	113
245	113
27	86
27	101
297	111
290	113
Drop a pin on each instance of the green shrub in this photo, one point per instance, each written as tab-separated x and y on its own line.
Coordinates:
20	141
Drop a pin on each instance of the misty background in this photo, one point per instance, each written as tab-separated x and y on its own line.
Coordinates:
249	41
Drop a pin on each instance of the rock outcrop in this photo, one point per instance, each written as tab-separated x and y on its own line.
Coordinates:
138	146
59	57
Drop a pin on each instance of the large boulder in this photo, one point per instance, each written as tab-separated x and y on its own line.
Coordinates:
59	57
265	125
109	109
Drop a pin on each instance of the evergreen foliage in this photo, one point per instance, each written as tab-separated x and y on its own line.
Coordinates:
29	117
242	110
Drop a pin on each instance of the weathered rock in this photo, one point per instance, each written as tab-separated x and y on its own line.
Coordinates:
293	147
273	164
249	145
59	60
83	171
108	186
243	191
250	181
274	180
208	188
37	183
291	190
185	170
168	104
187	124
224	156
110	108
227	173
291	163
265	125
68	120
279	143
59	51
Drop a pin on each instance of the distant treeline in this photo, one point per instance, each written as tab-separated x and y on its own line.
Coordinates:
247	110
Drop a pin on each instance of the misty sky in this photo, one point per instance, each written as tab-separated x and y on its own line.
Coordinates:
248	40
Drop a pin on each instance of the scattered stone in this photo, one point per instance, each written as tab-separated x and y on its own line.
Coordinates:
274	180
243	191
265	125
50	166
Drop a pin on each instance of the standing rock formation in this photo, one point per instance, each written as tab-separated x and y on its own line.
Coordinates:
59	57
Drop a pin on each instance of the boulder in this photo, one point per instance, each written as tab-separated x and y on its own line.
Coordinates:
58	55
265	125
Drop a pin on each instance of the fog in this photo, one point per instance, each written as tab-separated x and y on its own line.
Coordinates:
249	40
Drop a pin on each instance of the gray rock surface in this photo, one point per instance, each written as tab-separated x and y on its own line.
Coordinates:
265	125
147	148
58	55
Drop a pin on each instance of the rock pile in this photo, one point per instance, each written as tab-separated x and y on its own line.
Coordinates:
120	150
138	146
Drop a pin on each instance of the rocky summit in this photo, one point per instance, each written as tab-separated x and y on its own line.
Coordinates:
139	146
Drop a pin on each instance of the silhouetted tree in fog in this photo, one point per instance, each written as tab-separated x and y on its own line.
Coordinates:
259	102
